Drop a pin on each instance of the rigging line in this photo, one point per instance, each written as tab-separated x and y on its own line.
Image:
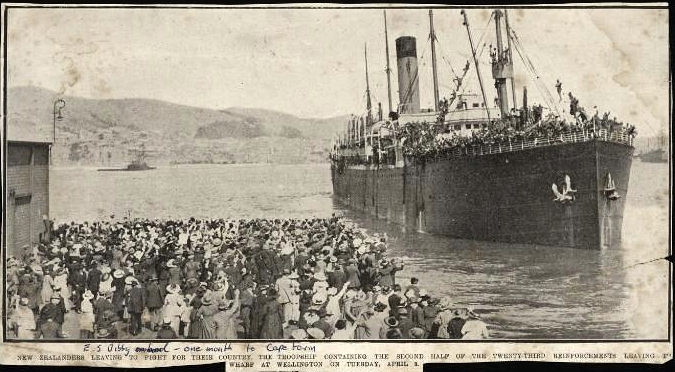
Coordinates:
530	67
534	80
486	28
443	56
534	69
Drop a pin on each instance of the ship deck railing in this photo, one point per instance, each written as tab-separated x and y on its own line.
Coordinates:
544	141
524	144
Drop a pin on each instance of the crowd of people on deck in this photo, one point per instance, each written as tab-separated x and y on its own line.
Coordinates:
422	139
223	279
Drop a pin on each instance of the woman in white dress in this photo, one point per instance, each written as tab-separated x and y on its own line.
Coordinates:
61	283
87	316
47	288
474	328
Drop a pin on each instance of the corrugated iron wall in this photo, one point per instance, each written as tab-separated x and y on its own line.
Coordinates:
27	194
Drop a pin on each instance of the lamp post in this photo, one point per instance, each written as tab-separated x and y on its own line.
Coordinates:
59	104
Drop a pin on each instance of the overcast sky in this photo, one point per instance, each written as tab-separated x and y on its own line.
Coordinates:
310	62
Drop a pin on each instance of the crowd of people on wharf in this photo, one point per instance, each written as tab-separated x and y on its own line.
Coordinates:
223	279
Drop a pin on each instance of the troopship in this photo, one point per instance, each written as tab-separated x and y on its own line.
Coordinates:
470	169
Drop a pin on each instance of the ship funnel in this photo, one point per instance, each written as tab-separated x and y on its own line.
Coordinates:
408	80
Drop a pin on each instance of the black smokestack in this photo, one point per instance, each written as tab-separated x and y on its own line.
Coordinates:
408	80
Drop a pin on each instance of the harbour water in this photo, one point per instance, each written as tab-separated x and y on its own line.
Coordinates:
523	291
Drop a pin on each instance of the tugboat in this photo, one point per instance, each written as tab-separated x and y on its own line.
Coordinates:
137	164
657	155
471	169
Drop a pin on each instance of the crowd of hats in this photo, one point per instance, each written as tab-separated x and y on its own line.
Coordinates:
423	140
197	258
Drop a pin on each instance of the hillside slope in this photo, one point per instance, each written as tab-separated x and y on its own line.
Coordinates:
107	131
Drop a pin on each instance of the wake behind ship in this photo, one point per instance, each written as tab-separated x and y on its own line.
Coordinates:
477	171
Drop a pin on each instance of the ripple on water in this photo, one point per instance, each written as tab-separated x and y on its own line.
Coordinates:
522	291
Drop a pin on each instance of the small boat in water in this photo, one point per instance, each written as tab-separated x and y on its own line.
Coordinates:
134	166
654	156
137	164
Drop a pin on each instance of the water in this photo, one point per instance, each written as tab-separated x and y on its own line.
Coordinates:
524	292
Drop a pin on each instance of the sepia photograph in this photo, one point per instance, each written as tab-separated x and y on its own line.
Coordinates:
344	173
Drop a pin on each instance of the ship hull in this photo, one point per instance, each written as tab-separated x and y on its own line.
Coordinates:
503	197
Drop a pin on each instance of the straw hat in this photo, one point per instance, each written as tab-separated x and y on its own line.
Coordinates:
88	295
416	333
445	303
130	280
391	321
380	307
207	299
23	301
315	333
102	333
319	299
119	274
223	304
299	334
357	242
170	263
471	314
12	262
173	288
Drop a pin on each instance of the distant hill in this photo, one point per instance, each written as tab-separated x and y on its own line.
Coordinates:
250	128
100	131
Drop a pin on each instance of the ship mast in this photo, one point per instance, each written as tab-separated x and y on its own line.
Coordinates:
502	68
432	36
386	43
368	103
475	61
508	40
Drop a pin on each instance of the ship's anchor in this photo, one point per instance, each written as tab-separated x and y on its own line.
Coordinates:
610	188
567	194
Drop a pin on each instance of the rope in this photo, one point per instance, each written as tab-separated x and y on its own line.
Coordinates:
537	83
485	29
528	63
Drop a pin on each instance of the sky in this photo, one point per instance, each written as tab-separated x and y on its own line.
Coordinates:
310	62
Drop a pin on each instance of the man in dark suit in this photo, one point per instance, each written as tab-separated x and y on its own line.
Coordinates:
395	301
94	278
49	329
336	278
154	296
135	304
78	281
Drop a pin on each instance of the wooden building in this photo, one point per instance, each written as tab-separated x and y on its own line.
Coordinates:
27	194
